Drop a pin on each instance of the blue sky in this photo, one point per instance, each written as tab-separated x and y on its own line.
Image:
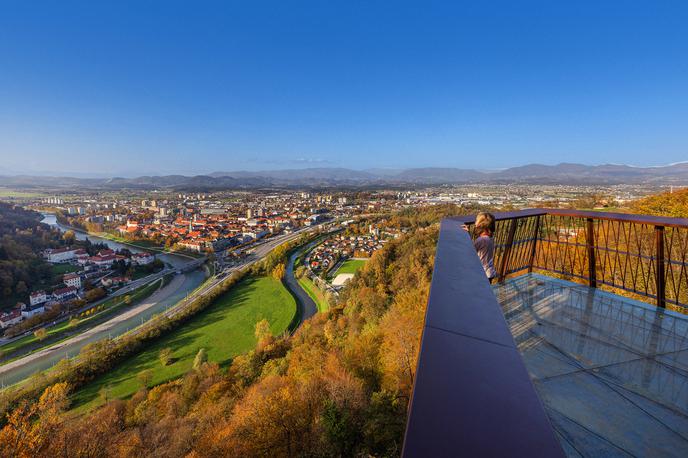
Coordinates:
193	87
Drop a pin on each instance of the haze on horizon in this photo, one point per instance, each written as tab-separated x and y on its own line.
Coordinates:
171	87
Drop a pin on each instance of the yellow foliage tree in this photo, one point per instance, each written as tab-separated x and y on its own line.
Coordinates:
278	272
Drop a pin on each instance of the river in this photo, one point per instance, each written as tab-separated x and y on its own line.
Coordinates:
174	259
170	295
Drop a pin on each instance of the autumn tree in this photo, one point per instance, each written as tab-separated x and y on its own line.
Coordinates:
69	237
401	328
94	294
300	271
145	377
40	334
666	204
278	272
201	357
30	428
263	333
17	436
165	356
339	386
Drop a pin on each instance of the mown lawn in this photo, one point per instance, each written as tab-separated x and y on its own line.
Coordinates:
226	329
350	266
315	293
61	269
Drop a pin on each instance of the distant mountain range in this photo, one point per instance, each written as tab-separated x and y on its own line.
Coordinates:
564	173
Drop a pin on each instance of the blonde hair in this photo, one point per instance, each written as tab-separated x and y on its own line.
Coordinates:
484	222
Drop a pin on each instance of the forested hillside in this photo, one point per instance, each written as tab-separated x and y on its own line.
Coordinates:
338	387
666	204
22	238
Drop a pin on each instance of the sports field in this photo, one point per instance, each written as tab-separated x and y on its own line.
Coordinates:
61	269
350	266
225	329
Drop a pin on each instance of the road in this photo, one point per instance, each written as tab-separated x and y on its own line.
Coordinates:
170	300
191	265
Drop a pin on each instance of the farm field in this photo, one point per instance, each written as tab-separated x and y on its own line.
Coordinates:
224	330
15	194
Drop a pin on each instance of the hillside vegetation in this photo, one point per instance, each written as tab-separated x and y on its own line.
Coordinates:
22	238
666	204
223	331
339	386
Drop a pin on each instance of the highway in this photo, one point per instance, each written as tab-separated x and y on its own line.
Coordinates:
260	251
169	300
192	265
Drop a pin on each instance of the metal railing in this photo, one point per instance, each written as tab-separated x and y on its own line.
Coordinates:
472	394
639	254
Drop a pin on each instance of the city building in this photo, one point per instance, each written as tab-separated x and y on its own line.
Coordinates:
142	259
10	318
72	279
31	310
60	255
38	297
63	294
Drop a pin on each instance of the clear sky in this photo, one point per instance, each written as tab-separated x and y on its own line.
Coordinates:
189	87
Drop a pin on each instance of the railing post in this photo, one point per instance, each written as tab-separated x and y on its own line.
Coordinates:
590	242
507	250
659	267
533	251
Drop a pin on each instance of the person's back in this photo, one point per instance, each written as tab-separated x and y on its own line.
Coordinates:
484	244
484	247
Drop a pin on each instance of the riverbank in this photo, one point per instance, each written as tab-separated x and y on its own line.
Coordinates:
30	343
99	329
139	245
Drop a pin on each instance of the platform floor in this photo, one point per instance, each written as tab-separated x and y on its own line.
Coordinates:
611	372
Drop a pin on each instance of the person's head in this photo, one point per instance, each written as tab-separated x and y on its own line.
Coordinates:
484	224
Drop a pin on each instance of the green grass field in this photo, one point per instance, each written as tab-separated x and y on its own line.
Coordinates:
11	193
225	329
350	266
315	294
61	269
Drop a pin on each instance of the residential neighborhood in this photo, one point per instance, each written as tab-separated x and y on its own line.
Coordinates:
105	271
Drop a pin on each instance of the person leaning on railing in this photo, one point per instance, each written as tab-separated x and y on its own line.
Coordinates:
484	229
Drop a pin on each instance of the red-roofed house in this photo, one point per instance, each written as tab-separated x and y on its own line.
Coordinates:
10	318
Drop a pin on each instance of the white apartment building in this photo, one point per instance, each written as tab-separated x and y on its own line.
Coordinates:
72	279
58	255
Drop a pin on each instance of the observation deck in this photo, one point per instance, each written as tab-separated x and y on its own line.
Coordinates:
579	349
